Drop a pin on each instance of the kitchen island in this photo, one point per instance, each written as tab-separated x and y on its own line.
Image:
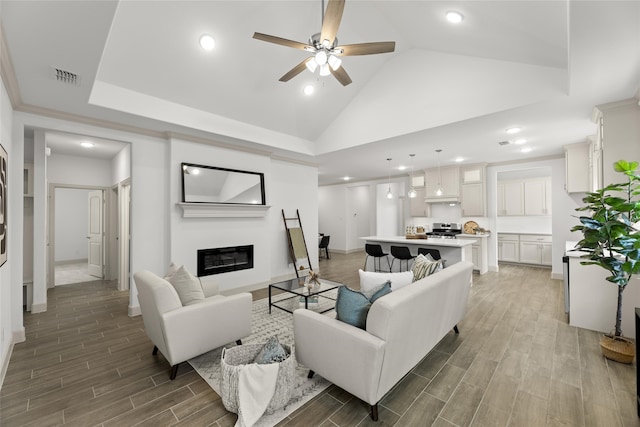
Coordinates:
452	250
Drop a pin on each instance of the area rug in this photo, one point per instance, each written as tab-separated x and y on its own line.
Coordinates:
265	325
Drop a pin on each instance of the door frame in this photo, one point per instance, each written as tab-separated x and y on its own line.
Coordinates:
51	222
124	234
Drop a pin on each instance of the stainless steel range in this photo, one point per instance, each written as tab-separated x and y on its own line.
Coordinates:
445	230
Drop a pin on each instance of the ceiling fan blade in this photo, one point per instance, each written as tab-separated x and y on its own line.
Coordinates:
341	75
331	21
279	40
296	70
367	48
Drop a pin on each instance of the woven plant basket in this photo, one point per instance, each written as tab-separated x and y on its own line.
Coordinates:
231	361
618	349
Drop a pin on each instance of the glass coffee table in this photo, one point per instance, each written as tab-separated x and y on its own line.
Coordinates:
298	291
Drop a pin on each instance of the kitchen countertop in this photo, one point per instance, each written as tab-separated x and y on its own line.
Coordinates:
454	243
542	233
474	236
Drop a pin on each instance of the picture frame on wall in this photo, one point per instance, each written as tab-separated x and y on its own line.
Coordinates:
4	162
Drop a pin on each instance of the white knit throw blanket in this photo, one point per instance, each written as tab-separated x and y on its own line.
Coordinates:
256	385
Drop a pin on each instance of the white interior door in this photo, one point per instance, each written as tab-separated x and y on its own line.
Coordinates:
95	203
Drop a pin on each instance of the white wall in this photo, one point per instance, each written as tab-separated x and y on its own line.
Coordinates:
10	324
390	212
621	140
81	171
332	211
121	165
359	216
71	224
287	186
289	193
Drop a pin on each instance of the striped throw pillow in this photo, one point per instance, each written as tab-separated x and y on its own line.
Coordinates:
425	265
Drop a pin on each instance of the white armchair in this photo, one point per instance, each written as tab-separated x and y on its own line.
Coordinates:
181	333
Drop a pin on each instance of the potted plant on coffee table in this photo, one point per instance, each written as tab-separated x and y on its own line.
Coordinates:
611	240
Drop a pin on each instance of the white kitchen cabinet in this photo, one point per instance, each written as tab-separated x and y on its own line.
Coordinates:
535	249
449	179
510	198
508	247
417	206
473	200
475	257
578	167
537	196
547	249
473	191
479	251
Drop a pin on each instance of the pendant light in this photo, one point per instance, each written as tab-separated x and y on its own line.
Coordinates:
412	191
439	191
389	193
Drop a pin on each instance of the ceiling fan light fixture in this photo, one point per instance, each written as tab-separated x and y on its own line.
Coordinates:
324	70
334	62
321	57
311	65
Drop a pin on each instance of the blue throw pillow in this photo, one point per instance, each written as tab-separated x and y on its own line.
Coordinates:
352	306
271	352
386	289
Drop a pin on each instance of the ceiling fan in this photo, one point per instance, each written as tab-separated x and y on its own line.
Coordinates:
324	47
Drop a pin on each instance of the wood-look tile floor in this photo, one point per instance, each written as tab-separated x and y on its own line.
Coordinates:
516	362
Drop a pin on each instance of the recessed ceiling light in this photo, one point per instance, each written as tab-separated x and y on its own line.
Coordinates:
207	42
402	167
525	150
309	89
195	171
454	17
86	144
459	159
347	178
513	130
520	141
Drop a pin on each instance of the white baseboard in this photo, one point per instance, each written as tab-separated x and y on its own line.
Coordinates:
38	308
71	261
19	336
134	311
494	268
559	276
5	365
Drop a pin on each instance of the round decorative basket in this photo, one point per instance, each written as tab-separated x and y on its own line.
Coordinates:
618	349
230	364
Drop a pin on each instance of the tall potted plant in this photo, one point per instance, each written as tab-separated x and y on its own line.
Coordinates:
611	240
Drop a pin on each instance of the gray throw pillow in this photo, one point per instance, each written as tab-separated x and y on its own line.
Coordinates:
271	352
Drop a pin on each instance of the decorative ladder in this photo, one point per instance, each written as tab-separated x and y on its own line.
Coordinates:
297	243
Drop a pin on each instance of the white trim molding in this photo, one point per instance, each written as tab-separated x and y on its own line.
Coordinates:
215	210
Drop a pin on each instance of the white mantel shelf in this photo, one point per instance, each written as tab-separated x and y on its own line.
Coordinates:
217	210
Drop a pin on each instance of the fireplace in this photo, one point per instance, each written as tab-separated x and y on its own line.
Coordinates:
222	260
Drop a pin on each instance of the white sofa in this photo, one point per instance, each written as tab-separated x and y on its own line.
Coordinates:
181	333
402	328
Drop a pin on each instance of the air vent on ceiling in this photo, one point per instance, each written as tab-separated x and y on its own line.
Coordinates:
504	143
64	76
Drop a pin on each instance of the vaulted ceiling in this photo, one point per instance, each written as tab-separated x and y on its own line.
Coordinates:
539	65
